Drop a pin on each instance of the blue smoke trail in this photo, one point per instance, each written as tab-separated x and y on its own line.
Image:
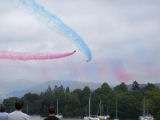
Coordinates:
56	24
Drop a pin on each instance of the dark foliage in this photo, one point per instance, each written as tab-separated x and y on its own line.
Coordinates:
75	103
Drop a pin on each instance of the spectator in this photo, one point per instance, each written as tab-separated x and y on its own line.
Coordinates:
18	114
51	116
3	114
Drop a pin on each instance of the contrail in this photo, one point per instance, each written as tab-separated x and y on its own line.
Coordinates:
30	56
56	24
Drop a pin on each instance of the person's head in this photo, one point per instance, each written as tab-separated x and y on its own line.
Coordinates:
19	105
51	110
2	109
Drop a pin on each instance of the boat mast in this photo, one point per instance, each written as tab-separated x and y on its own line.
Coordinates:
144	106
89	106
107	108
57	106
27	108
116	109
147	111
100	108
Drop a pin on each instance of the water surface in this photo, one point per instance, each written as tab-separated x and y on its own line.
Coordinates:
40	118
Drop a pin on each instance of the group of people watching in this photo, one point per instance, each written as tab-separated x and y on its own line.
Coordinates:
19	115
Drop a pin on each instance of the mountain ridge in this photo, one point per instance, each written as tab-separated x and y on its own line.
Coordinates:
40	87
24	86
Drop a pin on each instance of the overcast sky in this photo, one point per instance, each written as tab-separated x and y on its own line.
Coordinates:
123	36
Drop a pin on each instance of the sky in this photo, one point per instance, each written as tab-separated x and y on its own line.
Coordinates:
123	37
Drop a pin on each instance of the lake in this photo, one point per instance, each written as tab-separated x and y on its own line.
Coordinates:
40	118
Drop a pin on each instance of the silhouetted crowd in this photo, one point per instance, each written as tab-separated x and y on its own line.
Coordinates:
19	115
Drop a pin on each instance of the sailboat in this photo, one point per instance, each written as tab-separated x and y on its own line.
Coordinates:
89	111
145	116
58	115
102	117
116	111
108	116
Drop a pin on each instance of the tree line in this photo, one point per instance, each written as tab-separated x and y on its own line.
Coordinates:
75	103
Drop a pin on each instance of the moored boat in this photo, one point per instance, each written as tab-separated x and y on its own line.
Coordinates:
58	115
145	115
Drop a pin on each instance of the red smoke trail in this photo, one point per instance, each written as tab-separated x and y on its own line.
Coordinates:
30	56
123	76
117	67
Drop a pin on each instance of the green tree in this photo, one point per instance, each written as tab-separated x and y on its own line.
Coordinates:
9	103
105	89
154	102
121	88
67	90
75	103
149	86
135	86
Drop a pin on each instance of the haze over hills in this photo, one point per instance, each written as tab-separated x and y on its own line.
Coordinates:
9	86
71	84
21	87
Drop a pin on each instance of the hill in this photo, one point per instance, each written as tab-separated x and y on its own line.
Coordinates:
38	88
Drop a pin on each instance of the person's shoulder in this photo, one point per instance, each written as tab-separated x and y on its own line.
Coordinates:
12	113
5	113
56	118
52	118
24	114
19	113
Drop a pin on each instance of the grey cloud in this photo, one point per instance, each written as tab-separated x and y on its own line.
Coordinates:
106	26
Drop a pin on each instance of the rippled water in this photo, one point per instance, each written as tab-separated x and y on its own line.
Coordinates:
40	118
